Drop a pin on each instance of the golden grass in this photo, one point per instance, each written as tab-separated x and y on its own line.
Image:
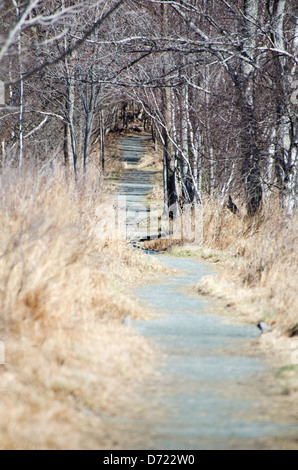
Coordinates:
69	360
152	160
255	277
260	271
257	261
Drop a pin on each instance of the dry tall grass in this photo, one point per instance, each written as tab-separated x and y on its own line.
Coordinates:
258	261
69	361
262	260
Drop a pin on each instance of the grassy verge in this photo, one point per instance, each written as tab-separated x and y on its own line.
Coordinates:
69	360
255	261
260	259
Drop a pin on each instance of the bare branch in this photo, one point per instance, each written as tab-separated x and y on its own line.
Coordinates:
71	48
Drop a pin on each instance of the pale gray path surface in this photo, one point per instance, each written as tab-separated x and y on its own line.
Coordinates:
210	395
218	403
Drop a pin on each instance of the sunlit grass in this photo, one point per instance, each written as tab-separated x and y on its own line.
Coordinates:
262	267
64	292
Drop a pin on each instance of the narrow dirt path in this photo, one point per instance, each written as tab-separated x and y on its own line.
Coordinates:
215	392
218	394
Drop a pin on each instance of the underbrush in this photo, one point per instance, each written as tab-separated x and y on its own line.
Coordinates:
262	260
257	261
69	359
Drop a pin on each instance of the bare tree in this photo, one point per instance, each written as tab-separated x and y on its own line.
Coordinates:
283	45
47	27
214	78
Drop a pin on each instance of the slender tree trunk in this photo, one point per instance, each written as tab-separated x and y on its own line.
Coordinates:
250	153
154	134
194	148
208	134
21	105
249	135
165	182
70	145
89	100
67	148
67	144
102	140
87	140
3	151
70	97
169	155
286	123
187	187
21	117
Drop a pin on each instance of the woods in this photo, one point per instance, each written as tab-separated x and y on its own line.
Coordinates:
129	127
216	81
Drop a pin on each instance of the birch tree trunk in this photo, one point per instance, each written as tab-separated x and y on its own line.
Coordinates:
21	102
67	145
187	189
286	123
89	97
89	105
193	153
169	155
70	107
102	139
21	133
251	174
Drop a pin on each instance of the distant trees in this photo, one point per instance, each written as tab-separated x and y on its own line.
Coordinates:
51	81
216	80
237	61
283	47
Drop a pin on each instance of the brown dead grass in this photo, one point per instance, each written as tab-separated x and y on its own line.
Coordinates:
261	268
256	263
69	361
256	260
152	159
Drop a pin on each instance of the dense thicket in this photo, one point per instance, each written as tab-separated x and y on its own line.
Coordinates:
215	80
